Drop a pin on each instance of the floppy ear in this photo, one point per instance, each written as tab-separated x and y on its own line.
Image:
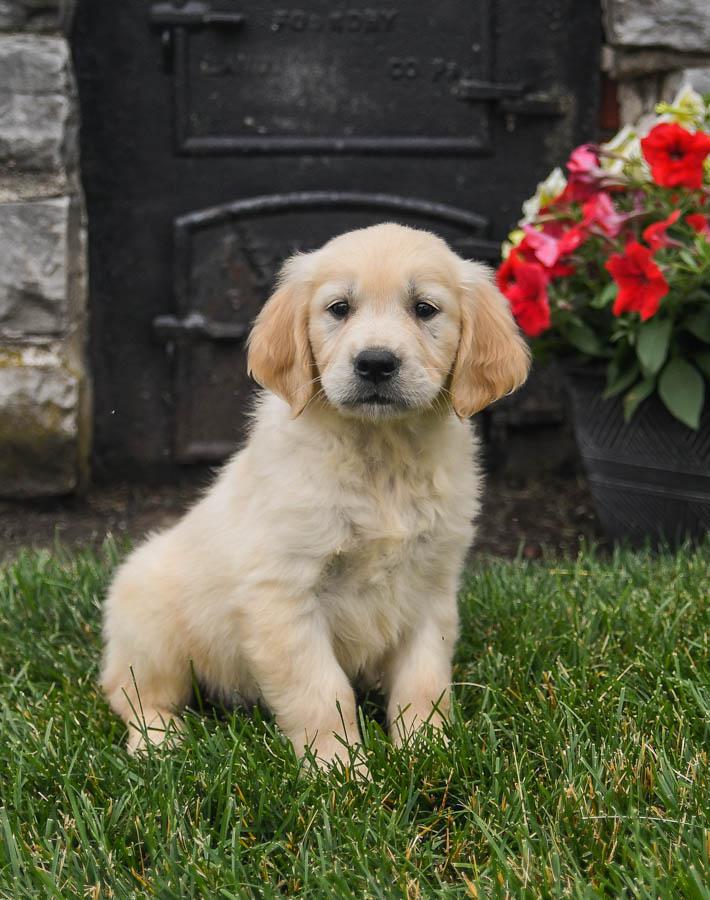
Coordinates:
279	352
492	359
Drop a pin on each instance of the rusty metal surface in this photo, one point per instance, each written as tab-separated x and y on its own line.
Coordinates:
220	136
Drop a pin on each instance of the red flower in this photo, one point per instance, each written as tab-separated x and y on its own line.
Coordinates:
525	286
675	155
599	211
698	222
655	234
641	282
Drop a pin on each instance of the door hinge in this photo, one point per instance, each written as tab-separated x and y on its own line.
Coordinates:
194	12
512	98
196	326
469	89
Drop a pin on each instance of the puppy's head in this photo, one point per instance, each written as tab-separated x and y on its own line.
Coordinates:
386	321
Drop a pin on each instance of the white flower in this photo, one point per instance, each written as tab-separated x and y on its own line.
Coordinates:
625	148
547	191
687	109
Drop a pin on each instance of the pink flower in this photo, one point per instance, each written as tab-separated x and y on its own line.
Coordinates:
585	174
599	211
554	241
655	234
584	161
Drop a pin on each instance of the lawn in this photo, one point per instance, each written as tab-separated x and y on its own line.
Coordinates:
577	762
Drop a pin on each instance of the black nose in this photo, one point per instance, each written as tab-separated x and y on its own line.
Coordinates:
376	365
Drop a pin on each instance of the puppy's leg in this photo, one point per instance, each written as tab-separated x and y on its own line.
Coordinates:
145	691
418	677
305	687
146	673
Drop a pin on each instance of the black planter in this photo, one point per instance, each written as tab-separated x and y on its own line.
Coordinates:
650	478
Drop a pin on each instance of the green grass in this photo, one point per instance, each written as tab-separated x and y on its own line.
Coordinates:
577	763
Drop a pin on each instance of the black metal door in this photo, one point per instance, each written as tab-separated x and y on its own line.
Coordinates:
219	136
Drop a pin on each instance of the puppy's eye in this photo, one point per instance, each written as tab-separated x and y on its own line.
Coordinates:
339	309
425	310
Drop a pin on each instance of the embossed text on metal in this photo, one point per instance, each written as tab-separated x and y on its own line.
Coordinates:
322	77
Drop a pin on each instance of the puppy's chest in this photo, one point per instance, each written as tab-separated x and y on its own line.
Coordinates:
388	517
371	584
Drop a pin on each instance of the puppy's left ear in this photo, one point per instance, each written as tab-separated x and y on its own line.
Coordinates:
279	351
492	359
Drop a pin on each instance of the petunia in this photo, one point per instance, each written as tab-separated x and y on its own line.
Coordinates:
599	212
554	241
525	286
655	234
675	155
641	282
585	174
584	160
624	149
547	191
687	109
698	222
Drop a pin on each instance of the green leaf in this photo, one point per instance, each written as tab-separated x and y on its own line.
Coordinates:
583	338
637	395
699	325
702	361
698	296
682	390
688	258
619	379
652	345
607	296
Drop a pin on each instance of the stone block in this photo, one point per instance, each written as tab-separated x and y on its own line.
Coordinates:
638	97
38	240
697	78
623	63
36	15
37	104
679	24
40	414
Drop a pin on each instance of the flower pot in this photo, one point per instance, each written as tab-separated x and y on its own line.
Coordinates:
650	477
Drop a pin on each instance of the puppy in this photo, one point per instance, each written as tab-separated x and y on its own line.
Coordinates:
329	549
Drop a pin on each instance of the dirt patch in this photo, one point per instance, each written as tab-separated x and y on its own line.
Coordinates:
552	514
528	517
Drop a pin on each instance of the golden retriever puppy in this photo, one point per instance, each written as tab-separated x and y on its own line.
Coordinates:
329	549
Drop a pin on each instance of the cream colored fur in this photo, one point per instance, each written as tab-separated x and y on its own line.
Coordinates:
329	549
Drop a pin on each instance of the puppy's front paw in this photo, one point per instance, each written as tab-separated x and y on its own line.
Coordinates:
408	726
158	729
332	753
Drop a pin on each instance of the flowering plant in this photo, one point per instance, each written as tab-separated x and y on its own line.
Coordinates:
611	263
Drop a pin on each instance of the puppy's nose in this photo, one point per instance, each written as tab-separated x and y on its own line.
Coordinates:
376	365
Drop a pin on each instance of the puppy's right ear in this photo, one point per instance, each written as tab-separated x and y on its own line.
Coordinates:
493	359
279	351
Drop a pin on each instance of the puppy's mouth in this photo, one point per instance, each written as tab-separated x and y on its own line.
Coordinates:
381	400
375	399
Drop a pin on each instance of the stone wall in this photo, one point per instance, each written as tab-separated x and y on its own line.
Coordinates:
44	392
